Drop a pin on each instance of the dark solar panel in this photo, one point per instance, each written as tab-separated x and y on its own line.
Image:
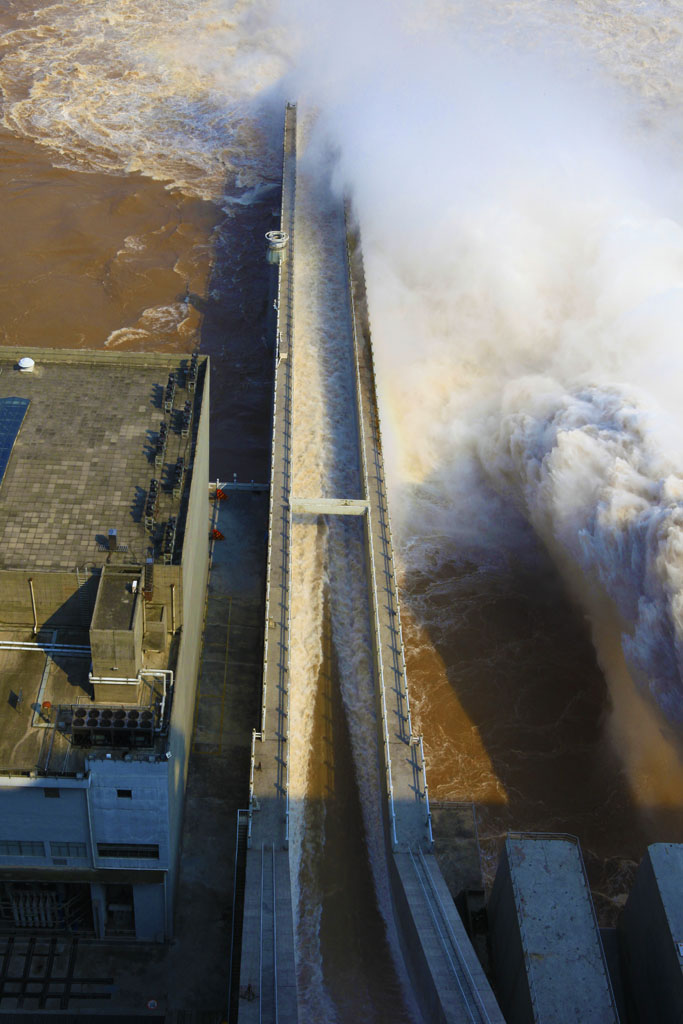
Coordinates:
12	412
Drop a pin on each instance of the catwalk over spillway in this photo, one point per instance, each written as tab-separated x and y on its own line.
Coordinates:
333	628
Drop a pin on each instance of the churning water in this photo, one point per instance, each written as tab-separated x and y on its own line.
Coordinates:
512	166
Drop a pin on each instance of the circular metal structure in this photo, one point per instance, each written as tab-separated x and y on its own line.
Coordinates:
277	239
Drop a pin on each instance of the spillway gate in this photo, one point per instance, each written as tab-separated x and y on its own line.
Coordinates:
448	981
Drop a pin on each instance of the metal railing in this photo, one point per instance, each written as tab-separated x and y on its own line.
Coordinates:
273	895
371	546
400	672
457	960
287	747
237	890
280	482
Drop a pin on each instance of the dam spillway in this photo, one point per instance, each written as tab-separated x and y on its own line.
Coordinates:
345	483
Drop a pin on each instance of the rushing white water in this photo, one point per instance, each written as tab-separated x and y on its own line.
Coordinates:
172	89
524	252
328	573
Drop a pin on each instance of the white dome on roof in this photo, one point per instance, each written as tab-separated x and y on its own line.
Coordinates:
26	364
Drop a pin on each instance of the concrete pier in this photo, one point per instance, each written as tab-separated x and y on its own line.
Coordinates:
448	982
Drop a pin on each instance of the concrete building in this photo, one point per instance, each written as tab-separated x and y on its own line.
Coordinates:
104	539
545	942
651	936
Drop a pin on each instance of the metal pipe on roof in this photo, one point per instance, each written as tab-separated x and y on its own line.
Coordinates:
33	605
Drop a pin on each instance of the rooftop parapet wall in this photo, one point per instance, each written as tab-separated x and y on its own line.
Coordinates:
185	599
62	599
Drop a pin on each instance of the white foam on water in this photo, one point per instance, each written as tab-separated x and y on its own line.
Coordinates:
174	90
154	321
523	241
327	558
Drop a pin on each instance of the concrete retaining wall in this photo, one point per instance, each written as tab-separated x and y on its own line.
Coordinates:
190	616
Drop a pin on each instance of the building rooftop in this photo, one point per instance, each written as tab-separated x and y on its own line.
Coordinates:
48	721
84	454
82	438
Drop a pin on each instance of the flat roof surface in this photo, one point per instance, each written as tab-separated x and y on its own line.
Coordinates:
84	455
564	956
34	738
116	600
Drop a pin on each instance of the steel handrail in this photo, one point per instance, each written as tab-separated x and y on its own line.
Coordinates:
260	947
453	937
401	689
444	945
366	488
287	223
272	850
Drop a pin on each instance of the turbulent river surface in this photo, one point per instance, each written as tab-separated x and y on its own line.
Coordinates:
513	168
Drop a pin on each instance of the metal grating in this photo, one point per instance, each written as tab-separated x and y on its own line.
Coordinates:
12	412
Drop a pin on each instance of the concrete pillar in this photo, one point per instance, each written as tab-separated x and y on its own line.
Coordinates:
148	901
98	898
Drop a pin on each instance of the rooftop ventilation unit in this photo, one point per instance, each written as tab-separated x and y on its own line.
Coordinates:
151	505
178	474
113	727
169	540
162	437
186	419
192	373
170	392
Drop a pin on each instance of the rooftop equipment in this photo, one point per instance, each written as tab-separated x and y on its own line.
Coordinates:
192	373
170	392
151	505
186	419
162	438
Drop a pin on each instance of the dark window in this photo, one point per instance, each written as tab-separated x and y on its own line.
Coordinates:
149	851
51	794
69	850
21	848
127	793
